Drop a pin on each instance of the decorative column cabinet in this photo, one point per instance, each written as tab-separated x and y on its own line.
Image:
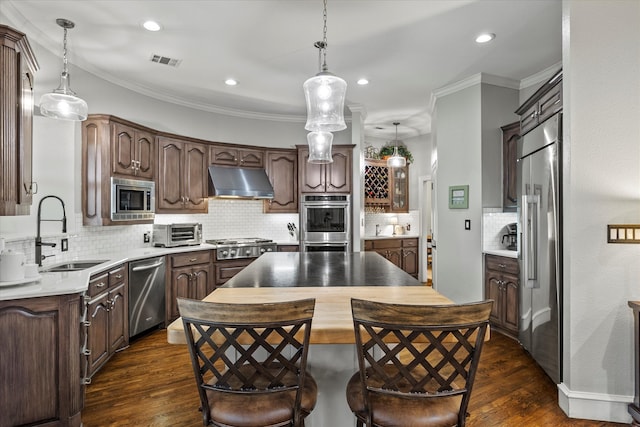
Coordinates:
17	67
112	146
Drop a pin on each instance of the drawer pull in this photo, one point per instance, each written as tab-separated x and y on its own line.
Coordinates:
193	259
119	276
100	285
502	265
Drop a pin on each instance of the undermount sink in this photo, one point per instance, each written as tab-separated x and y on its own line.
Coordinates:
72	266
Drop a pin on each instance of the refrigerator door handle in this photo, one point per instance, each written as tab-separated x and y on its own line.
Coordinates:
531	216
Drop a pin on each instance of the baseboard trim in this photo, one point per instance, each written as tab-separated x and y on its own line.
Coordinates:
594	406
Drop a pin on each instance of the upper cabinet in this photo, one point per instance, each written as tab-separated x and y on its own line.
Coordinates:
132	151
386	189
17	67
236	156
112	147
544	103
282	170
332	177
181	185
510	137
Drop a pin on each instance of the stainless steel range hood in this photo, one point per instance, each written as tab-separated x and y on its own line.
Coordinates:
243	183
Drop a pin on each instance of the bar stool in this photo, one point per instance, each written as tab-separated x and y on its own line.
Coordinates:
249	361
417	363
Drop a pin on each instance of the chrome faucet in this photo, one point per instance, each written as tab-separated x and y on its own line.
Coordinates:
377	230
39	243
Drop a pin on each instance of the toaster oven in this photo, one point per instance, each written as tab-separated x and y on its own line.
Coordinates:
170	235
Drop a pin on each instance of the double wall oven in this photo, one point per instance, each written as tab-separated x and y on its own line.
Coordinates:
325	221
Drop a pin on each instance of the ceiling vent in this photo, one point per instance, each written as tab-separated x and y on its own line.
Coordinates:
166	61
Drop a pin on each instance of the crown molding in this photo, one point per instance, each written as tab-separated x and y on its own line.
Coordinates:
541	76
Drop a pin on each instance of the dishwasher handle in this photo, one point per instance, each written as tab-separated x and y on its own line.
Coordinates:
147	267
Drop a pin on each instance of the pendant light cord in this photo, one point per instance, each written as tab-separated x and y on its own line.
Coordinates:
64	52
322	45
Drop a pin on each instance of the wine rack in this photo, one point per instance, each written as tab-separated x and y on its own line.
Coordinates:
385	189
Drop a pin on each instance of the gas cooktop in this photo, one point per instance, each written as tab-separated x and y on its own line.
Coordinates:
244	247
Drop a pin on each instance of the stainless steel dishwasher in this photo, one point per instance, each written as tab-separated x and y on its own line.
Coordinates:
146	294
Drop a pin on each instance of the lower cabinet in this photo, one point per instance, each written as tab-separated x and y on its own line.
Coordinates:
288	248
107	314
403	252
502	285
226	269
40	361
189	277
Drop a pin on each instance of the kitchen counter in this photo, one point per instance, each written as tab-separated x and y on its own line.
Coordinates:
501	252
78	281
389	236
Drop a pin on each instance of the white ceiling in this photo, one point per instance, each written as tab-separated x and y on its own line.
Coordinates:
406	48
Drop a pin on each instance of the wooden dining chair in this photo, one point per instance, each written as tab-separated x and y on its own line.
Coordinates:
249	361
417	363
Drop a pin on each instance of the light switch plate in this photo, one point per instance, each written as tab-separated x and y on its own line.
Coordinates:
467	224
623	233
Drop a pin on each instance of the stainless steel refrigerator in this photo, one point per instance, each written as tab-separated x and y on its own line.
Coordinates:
540	256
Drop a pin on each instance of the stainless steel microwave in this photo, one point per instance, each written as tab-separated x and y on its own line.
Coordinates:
132	199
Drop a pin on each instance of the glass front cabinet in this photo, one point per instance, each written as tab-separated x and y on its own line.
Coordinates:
386	190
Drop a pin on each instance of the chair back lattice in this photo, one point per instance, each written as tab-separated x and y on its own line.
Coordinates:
419	351
248	348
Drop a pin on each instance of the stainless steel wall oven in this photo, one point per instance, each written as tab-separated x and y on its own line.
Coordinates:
325	221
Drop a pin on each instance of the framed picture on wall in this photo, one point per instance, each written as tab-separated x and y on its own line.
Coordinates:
459	197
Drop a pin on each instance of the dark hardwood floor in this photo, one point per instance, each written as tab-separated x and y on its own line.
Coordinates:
151	384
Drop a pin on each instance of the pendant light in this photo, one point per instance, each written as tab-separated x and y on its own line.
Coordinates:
62	103
396	160
324	93
320	147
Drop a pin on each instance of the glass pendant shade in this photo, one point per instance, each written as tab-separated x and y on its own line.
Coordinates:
396	161
62	103
325	94
320	147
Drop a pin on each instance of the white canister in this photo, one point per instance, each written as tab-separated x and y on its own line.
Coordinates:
11	266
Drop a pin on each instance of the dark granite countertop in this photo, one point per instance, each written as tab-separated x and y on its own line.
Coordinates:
320	269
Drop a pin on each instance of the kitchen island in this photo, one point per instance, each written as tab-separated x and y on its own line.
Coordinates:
332	278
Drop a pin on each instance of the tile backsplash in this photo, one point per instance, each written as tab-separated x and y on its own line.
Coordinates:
493	222
383	219
226	219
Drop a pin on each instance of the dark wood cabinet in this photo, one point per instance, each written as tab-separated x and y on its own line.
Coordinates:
510	137
189	277
333	177
502	285
544	103
403	252
236	156
132	151
386	189
17	67
112	146
40	361
107	316
182	182
282	170
226	269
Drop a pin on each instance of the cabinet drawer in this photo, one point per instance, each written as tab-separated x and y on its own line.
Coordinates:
191	258
409	243
368	245
117	275
98	284
502	264
386	243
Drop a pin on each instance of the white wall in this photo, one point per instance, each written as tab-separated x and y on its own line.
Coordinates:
601	61
459	150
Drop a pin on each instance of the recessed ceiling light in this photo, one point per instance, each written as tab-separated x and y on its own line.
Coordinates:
485	37
151	26
231	82
363	81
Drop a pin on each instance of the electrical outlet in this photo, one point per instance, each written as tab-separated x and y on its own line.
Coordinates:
147	237
64	245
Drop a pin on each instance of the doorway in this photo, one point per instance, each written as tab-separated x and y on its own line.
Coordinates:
426	229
